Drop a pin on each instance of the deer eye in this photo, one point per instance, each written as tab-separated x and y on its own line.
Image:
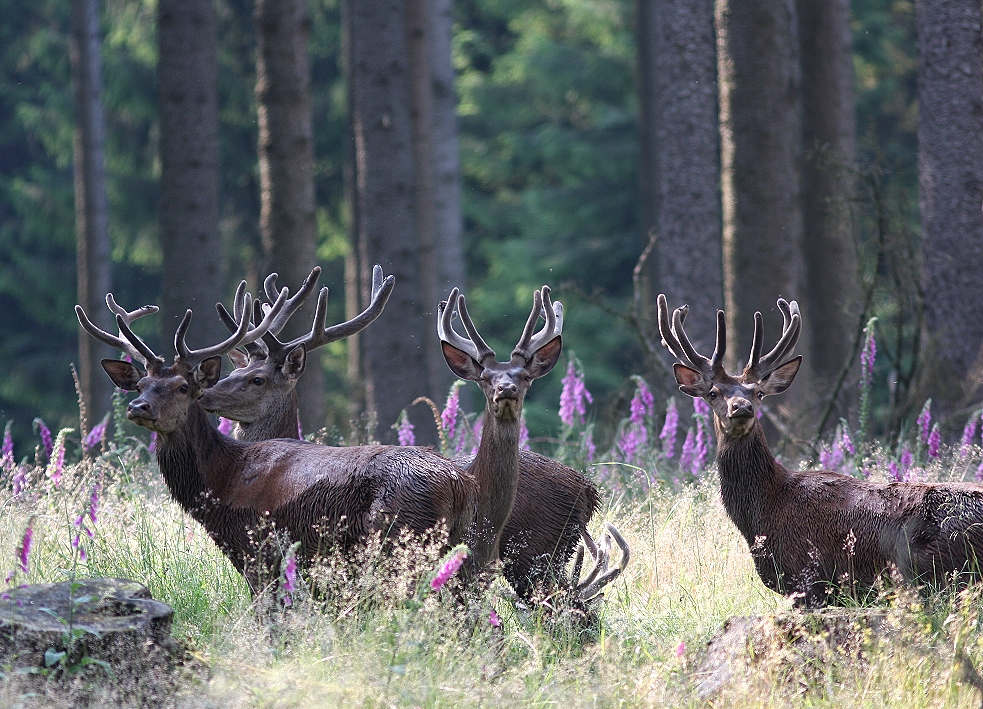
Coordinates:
713	394
258	381
761	395
183	389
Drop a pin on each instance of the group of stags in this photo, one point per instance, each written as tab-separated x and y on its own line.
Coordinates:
504	503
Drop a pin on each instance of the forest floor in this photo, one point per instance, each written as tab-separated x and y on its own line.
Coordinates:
382	638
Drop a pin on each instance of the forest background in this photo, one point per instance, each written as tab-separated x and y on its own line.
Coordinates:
571	125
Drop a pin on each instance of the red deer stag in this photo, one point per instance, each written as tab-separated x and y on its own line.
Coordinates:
260	394
537	510
554	503
814	533
320	496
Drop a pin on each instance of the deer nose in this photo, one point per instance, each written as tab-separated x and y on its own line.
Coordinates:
740	408
507	389
139	408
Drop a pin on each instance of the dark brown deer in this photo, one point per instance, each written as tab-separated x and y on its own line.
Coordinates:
320	496
554	503
540	515
260	394
816	533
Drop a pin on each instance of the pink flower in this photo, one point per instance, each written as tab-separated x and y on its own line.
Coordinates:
57	463
7	452
19	481
25	547
153	442
700	448
924	421
589	446
894	471
404	431
225	426
97	435
701	407
94	503
574	397
680	649
668	435
969	433
846	445
448	418
476	434
493	619
934	442
45	433
686	457
449	568
632	438
907	459
290	573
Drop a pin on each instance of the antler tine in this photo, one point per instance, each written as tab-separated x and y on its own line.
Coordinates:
665	330
482	350
295	303
132	315
695	359
107	338
791	328
589	590
524	346
553	314
144	353
446	331
754	357
382	288
720	347
231	322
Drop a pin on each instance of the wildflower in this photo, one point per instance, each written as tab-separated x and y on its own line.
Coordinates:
831	458
290	574
523	432
637	416
969	433
19	481
934	442
225	426
404	430
7	452
630	441
907	459
94	503
979	473
680	649
924	421
686	457
699	448
45	434
589	446
24	554
868	355
153	442
846	445
701	407
574	397
449	568
894	471
57	463
97	435
668	435
448	418
476	434
493	619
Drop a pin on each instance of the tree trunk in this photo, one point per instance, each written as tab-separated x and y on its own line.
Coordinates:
187	94
93	250
286	170
393	349
950	182
829	140
680	161
438	168
760	141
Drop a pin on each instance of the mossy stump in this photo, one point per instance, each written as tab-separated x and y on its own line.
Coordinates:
88	641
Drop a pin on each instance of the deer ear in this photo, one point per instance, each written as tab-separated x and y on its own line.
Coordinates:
545	358
690	381
461	363
294	365
779	380
208	372
239	359
125	375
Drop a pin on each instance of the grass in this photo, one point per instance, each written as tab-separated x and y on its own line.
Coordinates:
380	639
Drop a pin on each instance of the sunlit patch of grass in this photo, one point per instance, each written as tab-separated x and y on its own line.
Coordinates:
376	635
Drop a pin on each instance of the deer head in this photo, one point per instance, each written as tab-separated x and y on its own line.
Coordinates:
266	374
504	384
734	399
166	392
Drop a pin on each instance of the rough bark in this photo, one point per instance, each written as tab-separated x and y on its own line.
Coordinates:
93	250
829	142
438	168
393	349
680	165
760	141
286	170
950	182
187	95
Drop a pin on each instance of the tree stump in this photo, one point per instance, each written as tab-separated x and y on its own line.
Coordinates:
88	641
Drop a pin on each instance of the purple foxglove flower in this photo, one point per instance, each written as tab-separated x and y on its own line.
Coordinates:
831	458
448	418
25	547
969	433
45	433
404	432
290	573
97	435
476	434
701	407
907	459
630	442
924	421
680	649
153	442
699	448
589	446
82	555
225	426
449	568
19	481
637	410
867	357
523	432
7	452
493	619
647	398
94	503
57	463
574	397
846	445
668	435
686	457
894	471
934	442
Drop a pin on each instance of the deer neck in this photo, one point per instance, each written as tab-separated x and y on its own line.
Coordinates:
496	470
281	423
196	461
750	478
